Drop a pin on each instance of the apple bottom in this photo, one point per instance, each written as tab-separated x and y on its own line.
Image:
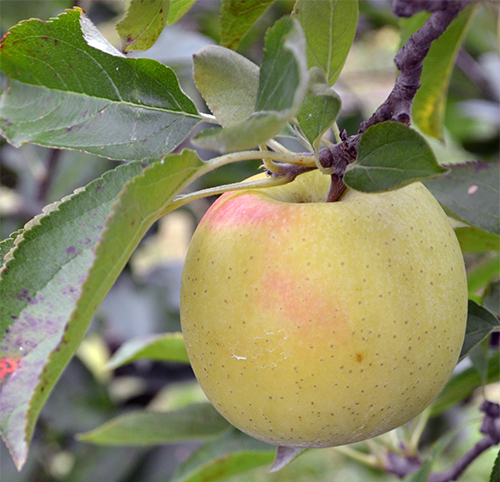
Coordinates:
326	399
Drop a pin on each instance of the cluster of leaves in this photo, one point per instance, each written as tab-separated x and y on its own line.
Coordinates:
67	87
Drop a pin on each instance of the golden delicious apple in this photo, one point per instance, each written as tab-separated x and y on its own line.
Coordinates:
314	324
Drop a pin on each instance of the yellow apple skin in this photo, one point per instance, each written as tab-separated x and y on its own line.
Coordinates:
313	324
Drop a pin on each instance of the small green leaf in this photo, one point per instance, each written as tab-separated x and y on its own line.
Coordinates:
230	454
480	323
69	88
193	422
143	24
475	240
329	27
430	101
237	17
472	193
228	83
283	75
177	9
166	347
463	384
391	155
255	130
320	109
281	90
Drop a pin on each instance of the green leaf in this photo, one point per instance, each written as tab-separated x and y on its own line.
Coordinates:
320	109
283	72
64	264
166	347
475	240
480	323
230	454
329	27
430	101
177	9
193	422
39	286
479	276
143	24
479	358
471	193
237	17
463	384
228	83
68	87
491	298
391	155
282	87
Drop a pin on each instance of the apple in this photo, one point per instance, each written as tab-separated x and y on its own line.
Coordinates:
314	324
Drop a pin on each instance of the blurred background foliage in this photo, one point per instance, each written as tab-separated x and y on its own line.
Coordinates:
145	299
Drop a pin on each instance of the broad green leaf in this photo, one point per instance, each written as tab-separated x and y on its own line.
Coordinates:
320	109
230	454
142	24
472	193
475	240
193	422
39	286
281	90
237	17
177	9
479	276
430	101
329	27
64	264
166	347
228	83
480	323
391	155
69	88
463	384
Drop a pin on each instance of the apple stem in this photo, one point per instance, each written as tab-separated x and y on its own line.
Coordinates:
337	188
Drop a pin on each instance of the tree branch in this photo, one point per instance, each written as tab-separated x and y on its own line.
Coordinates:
490	428
409	60
410	57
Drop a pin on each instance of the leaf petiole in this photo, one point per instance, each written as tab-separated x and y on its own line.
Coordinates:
237	186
